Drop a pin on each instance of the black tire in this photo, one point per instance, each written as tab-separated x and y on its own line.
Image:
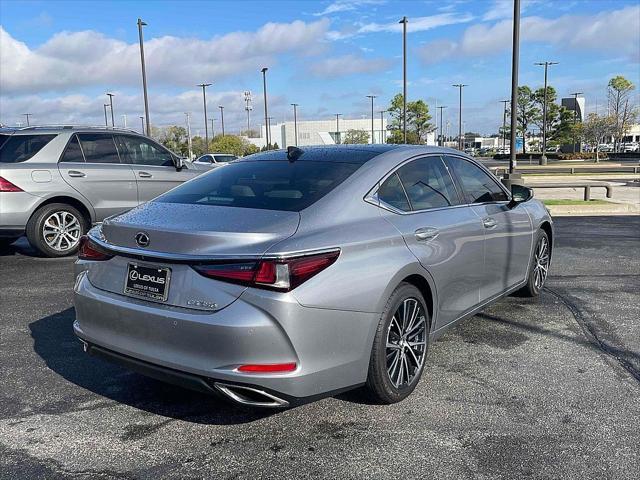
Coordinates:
36	235
379	384
533	286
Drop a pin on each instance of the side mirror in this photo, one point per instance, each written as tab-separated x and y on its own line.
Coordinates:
178	162
520	194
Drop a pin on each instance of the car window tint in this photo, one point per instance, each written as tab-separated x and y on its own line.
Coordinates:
392	193
225	158
282	185
140	151
204	159
19	148
72	153
479	186
98	148
428	184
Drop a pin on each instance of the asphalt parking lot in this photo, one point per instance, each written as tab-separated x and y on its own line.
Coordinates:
545	388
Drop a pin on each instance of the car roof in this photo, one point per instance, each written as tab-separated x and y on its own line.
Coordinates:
49	129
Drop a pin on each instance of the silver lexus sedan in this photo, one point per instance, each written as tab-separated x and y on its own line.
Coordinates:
294	274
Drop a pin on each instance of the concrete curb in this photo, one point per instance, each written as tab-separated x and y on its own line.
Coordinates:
593	210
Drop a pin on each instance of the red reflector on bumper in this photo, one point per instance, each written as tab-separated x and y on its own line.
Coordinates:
268	368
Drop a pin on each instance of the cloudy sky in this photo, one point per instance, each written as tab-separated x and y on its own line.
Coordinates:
57	59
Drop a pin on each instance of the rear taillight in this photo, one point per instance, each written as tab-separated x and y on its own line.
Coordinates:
282	274
90	251
7	186
268	368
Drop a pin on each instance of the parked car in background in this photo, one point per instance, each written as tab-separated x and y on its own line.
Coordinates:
288	275
213	160
55	182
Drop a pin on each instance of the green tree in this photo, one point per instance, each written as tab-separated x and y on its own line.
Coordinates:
232	144
198	146
560	124
595	128
621	107
356	136
418	121
175	139
527	113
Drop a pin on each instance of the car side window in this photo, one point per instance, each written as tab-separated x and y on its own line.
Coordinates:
428	184
478	186
98	148
205	159
73	152
392	193
140	151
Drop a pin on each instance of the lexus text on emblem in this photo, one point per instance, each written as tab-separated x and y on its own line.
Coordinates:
142	239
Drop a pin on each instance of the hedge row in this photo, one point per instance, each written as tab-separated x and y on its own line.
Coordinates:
552	156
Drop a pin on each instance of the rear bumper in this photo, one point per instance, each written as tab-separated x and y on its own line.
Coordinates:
198	349
15	210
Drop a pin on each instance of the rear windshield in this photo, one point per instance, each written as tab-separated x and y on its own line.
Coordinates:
19	148
225	158
279	185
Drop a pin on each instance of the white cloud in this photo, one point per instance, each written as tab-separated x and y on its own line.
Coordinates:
504	9
418	24
346	6
611	31
73	59
347	65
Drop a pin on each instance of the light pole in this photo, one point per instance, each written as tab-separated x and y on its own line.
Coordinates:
269	127
338	127
213	130
106	122
543	158
144	75
504	124
441	142
27	115
248	108
206	127
141	124
575	120
382	129
295	121
188	115
111	95
372	131
124	120
266	113
515	56
222	117
404	22
460	86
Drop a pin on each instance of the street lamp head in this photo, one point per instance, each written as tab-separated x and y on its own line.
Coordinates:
203	85
264	70
404	20
141	23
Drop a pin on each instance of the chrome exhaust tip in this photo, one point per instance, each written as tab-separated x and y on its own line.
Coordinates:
250	396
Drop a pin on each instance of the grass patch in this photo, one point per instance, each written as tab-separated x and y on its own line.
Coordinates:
567	201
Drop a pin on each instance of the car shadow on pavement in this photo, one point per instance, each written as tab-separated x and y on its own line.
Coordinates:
20	247
55	342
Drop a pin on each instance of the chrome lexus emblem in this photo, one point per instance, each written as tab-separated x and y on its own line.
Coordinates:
142	239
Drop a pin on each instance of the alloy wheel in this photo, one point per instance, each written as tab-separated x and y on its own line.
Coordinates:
406	343
61	231
541	259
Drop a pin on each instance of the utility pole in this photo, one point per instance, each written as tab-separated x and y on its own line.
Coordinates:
188	115
144	76
382	129
141	124
441	142
106	122
248	108
124	120
372	131
512	177
575	120
338	128
213	130
27	115
460	86
295	121
269	128
111	95
266	114
206	127
504	124
404	22
222	117
543	158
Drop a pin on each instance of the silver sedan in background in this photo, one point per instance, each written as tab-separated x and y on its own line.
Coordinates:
293	274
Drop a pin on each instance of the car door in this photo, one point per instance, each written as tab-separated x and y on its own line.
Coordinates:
421	201
508	231
91	165
153	166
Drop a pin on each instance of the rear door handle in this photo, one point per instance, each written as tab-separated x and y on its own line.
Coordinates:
76	173
144	175
425	234
489	222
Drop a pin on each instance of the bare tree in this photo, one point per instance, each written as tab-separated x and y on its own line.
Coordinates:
595	128
620	107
